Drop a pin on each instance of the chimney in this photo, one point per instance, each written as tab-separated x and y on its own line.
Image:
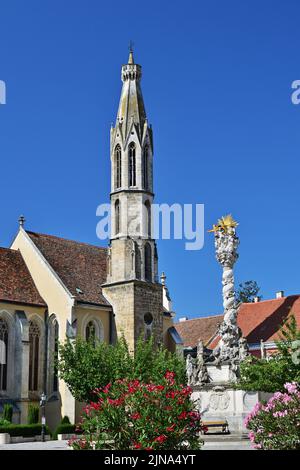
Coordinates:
279	294
256	299
182	319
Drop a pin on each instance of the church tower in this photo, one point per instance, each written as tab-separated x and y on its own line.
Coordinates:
132	285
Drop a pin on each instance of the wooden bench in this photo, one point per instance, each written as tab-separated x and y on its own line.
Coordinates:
216	424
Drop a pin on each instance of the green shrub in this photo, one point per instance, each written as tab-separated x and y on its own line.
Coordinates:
79	364
33	414
25	430
7	412
4	422
65	429
65	420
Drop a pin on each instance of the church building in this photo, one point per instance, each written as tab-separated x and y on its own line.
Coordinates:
52	288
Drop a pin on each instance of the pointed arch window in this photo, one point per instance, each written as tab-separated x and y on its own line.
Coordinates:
148	262
118	167
34	353
90	332
145	168
132	165
3	354
117	217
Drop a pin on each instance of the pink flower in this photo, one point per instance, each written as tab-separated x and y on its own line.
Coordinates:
291	387
135	416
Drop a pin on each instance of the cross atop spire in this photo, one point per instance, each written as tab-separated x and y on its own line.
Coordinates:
22	220
130	59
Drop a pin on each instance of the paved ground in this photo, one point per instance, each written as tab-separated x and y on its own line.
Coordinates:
50	445
62	445
233	445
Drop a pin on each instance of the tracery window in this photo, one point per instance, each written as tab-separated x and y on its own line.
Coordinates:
3	354
117	217
132	165
118	167
34	353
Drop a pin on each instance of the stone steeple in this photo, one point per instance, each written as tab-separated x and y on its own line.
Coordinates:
131	112
132	285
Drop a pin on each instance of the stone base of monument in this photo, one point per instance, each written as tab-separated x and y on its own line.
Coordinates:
218	400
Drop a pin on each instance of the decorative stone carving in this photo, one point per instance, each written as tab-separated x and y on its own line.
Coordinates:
219	399
244	349
196	369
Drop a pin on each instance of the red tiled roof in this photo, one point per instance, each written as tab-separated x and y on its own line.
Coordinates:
16	283
203	328
259	320
262	320
78	265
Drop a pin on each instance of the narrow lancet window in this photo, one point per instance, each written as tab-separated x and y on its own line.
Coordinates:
132	165
118	167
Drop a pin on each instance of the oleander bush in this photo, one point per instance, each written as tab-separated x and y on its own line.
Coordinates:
131	414
275	425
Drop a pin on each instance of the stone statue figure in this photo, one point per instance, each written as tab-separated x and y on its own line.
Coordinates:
203	376
189	369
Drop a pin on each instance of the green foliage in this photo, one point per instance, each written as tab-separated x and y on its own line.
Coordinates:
33	414
7	412
270	375
4	422
65	420
288	334
25	430
86	365
66	428
130	414
247	291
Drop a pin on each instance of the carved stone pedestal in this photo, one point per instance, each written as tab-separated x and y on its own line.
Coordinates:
217	400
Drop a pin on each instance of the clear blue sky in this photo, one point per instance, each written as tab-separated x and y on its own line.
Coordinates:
217	84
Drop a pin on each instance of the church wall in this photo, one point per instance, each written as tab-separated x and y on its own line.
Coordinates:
84	315
57	298
18	317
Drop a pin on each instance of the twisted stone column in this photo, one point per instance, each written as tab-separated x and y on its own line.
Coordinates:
226	243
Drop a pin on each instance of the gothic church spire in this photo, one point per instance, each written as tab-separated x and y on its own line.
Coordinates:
131	107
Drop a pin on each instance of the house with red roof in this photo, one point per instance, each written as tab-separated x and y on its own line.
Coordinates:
259	321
